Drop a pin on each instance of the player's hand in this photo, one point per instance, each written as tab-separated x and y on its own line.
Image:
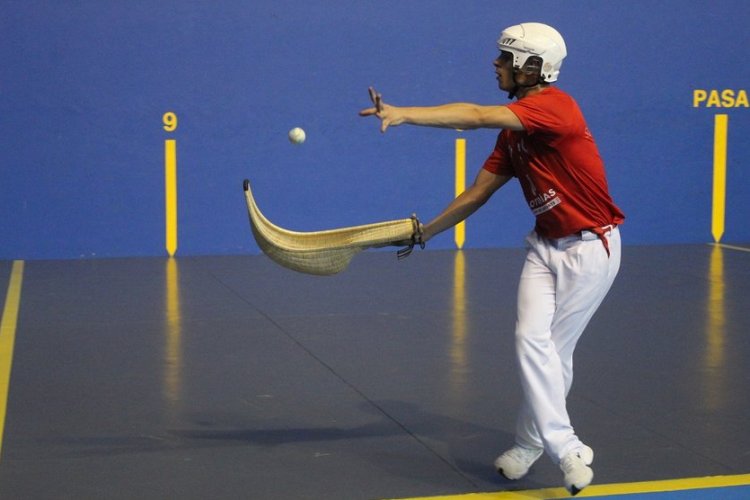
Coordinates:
389	115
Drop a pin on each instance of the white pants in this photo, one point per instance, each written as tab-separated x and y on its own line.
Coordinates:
562	284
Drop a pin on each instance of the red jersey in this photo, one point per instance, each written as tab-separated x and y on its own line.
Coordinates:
558	165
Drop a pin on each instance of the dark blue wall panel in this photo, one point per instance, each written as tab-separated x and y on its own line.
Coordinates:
84	85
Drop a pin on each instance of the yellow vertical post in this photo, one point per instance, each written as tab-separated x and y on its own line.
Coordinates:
460	229
170	182
720	176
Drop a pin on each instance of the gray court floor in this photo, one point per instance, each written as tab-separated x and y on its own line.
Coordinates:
230	377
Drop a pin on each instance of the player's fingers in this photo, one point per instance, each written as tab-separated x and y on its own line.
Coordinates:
376	98
384	126
368	112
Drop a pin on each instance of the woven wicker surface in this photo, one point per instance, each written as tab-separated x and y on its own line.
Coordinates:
321	252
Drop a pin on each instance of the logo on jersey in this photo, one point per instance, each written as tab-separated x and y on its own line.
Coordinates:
544	202
539	201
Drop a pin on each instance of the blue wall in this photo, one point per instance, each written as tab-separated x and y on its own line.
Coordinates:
84	86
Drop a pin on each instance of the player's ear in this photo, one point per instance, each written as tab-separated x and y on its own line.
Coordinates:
533	66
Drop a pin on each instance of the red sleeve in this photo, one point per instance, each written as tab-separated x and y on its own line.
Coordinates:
498	162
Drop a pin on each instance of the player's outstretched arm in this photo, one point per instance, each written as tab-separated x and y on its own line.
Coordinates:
468	202
465	116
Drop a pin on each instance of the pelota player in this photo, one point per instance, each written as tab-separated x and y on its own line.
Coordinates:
574	250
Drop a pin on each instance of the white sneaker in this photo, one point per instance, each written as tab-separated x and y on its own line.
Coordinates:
515	463
587	454
576	468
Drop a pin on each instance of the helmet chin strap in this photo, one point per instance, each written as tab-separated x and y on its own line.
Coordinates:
518	86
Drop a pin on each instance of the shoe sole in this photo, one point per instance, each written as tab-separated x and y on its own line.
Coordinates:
513	478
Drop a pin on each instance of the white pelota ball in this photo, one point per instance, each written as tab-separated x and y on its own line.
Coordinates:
297	135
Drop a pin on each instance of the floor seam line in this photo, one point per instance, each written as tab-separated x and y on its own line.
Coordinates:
348	384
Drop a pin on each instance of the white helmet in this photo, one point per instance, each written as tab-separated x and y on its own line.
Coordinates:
535	39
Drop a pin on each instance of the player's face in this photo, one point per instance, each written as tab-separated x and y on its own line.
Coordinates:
504	71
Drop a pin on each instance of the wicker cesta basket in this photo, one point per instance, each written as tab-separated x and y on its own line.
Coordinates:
323	252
